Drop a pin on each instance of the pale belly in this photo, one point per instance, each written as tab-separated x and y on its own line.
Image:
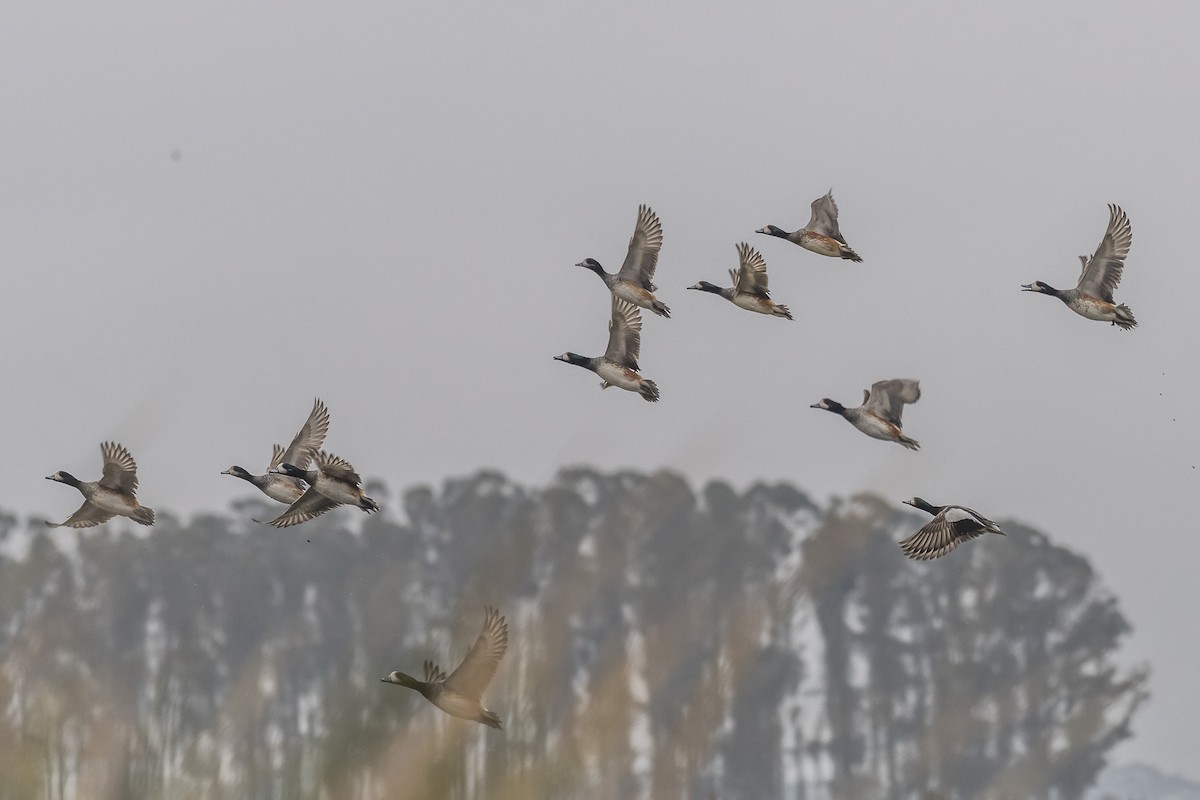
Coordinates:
336	491
877	428
1093	309
619	376
634	294
284	490
458	706
752	303
818	243
112	502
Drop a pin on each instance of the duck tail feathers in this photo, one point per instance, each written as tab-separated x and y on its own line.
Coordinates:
648	390
491	719
660	308
849	254
368	505
911	444
143	516
1124	320
782	311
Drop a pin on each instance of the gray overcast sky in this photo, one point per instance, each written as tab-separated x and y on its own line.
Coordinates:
382	205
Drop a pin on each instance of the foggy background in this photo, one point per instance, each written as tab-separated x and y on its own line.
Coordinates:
425	178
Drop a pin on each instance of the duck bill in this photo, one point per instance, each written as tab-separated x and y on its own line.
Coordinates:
1027	287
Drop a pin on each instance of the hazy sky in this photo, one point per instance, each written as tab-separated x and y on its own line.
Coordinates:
382	205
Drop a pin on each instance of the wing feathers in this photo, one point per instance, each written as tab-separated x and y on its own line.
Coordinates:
642	258
624	334
307	441
120	470
752	272
311	505
1102	272
476	670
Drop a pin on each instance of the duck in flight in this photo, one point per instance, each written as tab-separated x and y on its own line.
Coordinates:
749	285
1092	297
281	487
950	526
821	235
634	282
331	483
115	494
460	694
618	366
879	415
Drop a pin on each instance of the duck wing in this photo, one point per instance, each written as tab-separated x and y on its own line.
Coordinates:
476	670
752	272
85	516
952	526
824	217
120	470
642	258
433	673
887	398
624	334
307	442
336	467
311	505
1102	272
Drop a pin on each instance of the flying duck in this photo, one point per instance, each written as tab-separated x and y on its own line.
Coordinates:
879	415
618	366
333	483
115	494
308	441
950	526
821	235
749	285
461	693
1092	297
634	282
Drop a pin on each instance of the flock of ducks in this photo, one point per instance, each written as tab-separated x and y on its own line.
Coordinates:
632	287
310	481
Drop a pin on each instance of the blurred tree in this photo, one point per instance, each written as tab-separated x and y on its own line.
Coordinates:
663	644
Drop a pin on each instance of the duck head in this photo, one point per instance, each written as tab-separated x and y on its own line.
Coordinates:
829	405
771	230
592	264
573	358
291	470
917	502
1038	286
705	286
400	679
64	477
237	472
